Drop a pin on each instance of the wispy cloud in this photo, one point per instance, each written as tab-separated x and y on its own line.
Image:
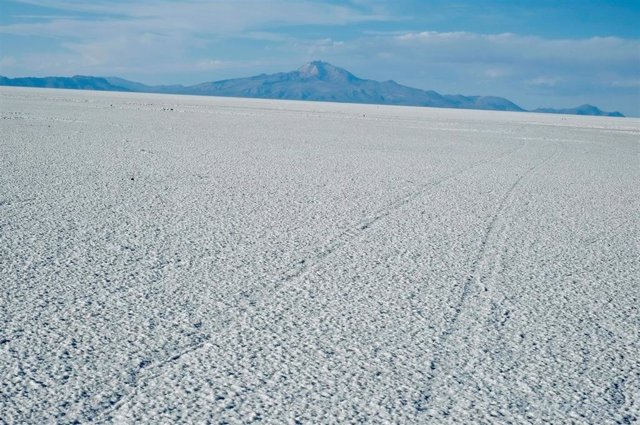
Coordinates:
508	47
518	59
189	17
106	36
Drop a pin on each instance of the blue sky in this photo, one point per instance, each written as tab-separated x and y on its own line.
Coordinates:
536	53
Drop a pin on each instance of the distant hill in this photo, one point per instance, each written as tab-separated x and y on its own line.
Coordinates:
315	80
77	82
322	81
580	110
143	88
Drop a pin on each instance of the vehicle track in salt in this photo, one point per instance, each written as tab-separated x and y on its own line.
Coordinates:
481	265
300	269
304	265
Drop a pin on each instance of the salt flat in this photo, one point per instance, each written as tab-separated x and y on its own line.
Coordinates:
188	259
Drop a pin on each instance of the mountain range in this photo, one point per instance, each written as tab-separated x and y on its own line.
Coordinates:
317	80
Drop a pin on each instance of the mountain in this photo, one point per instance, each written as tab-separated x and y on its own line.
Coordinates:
322	81
580	110
315	80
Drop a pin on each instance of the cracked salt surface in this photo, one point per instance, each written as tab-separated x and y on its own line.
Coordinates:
184	259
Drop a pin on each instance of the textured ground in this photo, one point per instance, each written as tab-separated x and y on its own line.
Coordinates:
181	259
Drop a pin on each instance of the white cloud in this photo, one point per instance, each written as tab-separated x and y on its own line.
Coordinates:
162	37
520	59
517	48
633	83
496	72
545	81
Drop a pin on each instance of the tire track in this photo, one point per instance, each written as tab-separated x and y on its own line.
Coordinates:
296	272
473	279
304	265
